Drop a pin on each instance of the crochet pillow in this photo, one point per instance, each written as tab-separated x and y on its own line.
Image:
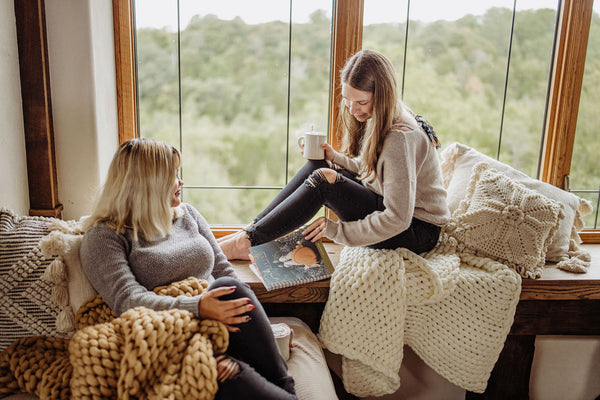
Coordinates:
502	219
26	306
457	162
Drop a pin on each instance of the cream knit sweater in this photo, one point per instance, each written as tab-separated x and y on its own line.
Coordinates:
409	178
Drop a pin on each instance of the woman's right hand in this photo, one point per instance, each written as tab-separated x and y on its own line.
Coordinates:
329	151
229	312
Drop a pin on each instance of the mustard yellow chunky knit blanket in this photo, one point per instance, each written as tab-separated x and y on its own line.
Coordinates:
453	309
142	354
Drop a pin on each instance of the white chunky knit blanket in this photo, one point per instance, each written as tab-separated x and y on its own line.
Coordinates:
453	309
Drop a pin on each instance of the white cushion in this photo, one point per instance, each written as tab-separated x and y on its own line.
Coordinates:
71	286
80	288
458	160
307	364
502	219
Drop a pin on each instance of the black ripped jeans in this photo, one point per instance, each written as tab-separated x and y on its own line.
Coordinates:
263	371
347	197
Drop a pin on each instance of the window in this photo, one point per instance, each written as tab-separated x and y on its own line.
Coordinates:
479	72
494	58
233	88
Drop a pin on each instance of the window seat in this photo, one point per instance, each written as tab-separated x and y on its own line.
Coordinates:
555	284
559	303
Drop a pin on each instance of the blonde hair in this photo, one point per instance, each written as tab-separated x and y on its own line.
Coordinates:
369	71
138	189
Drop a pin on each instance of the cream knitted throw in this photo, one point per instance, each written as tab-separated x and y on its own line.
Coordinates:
453	309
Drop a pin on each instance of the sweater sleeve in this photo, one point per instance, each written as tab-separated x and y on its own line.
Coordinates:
221	267
349	163
396	181
103	256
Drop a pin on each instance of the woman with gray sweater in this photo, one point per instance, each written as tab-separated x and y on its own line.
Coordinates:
141	236
385	185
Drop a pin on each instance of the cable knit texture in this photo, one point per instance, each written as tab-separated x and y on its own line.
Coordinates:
504	220
457	162
142	354
454	309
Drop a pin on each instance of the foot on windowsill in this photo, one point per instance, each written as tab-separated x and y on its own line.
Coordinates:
236	246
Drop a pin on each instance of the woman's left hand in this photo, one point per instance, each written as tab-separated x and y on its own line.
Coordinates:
316	230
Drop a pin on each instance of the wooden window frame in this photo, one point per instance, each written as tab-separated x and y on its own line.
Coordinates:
568	67
567	79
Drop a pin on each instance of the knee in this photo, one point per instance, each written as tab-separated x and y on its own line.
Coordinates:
225	281
241	288
330	175
322	175
227	368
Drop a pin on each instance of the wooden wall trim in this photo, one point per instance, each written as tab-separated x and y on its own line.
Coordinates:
569	63
125	69
30	17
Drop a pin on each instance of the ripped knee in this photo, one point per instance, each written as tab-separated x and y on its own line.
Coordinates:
322	175
227	368
330	175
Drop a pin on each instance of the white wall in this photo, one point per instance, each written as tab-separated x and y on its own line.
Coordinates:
82	77
14	193
83	90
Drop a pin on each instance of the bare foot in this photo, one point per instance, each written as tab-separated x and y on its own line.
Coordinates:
237	247
231	235
225	238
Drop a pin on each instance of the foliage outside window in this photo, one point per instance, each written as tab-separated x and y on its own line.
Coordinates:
481	79
234	96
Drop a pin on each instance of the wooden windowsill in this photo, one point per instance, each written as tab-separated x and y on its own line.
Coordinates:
555	284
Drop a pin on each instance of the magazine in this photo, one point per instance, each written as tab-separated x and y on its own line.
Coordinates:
290	260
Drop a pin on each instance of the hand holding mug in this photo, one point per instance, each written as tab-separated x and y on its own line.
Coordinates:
328	151
310	143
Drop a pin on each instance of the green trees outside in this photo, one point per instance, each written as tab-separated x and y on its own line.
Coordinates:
248	90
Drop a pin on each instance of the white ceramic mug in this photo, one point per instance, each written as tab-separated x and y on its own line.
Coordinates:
310	143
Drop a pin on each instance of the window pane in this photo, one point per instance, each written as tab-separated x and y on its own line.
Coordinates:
456	58
528	84
585	169
235	83
157	70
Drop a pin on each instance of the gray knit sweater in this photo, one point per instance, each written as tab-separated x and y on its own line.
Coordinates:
125	271
408	176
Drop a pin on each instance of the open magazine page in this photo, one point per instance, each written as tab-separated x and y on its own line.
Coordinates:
290	260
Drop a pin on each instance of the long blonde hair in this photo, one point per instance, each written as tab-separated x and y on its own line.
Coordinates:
369	71
138	189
